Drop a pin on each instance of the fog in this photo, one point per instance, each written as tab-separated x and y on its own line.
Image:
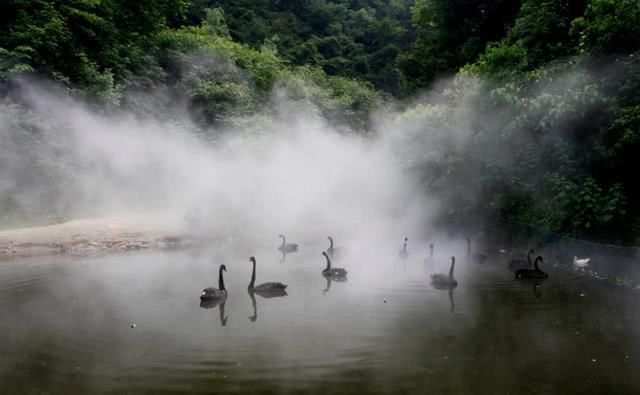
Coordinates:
290	172
284	170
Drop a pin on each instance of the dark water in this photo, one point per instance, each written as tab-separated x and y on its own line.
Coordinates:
65	327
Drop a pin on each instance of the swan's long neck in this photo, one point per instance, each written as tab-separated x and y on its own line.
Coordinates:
253	275
453	263
535	264
220	281
330	243
404	247
328	262
283	241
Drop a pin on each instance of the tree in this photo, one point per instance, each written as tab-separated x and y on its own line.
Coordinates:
451	34
609	27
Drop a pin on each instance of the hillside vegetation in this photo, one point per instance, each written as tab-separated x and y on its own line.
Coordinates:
543	91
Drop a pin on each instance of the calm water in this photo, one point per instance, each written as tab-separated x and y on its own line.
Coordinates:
65	327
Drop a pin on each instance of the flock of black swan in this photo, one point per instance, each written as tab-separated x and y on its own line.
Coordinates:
212	296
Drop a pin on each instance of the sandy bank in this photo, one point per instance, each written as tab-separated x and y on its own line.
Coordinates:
92	236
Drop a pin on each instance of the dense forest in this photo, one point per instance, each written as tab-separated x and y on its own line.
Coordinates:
544	91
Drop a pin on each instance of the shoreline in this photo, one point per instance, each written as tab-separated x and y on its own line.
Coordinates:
94	236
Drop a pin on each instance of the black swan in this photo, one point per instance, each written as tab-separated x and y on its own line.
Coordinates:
403	252
476	258
287	247
332	272
519	263
534	273
266	288
444	280
212	293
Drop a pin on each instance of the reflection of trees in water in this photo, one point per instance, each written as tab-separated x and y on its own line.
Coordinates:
37	370
507	333
610	261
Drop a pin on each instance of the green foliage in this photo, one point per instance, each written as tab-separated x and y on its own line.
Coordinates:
89	42
343	99
539	35
609	27
585	204
225	79
553	146
355	39
502	60
15	62
543	29
550	128
215	23
451	34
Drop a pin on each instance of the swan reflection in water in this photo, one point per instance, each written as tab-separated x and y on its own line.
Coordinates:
450	288
266	295
536	285
446	282
340	279
212	303
254	317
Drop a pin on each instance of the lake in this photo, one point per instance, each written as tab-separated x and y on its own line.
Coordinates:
133	323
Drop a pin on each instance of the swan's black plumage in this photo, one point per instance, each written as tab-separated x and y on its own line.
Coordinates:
444	280
274	287
520	263
535	273
212	293
332	272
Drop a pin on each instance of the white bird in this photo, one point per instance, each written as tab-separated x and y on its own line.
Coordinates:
581	263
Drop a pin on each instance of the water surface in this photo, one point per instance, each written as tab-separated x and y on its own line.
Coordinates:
66	327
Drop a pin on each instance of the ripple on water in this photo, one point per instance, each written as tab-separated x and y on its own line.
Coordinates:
311	339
